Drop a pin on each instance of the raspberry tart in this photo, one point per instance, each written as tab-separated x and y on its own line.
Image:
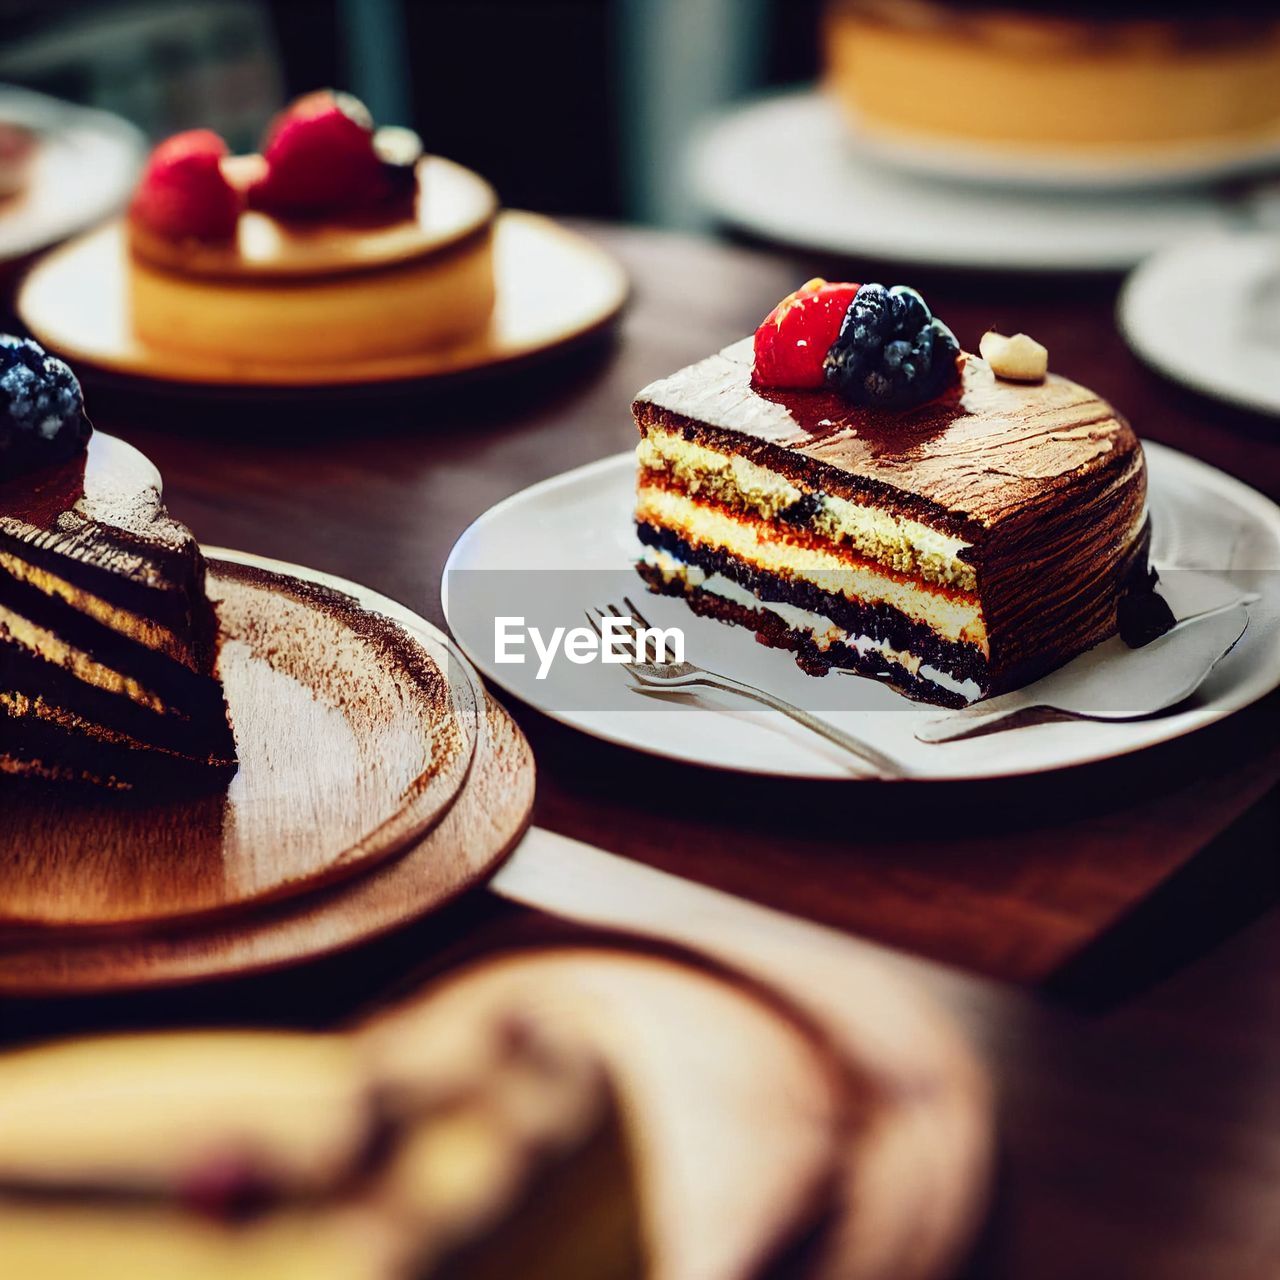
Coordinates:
339	242
853	487
108	642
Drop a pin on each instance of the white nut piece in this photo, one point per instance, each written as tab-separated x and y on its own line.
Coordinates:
1020	358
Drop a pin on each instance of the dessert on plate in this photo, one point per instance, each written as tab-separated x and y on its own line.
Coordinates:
1070	75
851	486
496	1150
18	149
108	642
340	241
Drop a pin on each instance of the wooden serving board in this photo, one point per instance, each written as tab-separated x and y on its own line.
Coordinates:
465	847
916	1178
737	1111
354	736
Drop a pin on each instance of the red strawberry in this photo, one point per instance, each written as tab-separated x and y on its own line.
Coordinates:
183	193
792	343
320	158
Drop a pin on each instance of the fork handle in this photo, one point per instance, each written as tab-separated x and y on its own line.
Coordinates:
883	764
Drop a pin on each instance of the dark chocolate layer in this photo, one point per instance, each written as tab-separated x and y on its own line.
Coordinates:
100	524
187	691
201	734
774	632
881	622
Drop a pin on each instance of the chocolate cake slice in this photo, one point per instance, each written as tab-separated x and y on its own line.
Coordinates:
956	543
108	642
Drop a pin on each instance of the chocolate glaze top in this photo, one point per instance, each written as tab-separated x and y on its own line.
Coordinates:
100	522
964	462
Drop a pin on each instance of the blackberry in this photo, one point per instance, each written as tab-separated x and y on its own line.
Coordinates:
42	419
891	352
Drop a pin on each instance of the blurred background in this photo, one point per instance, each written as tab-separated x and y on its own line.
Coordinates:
568	106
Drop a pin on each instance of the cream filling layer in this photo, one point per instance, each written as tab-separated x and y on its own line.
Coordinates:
958	620
894	541
142	630
824	633
52	648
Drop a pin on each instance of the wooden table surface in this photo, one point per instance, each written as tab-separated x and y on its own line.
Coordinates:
1134	902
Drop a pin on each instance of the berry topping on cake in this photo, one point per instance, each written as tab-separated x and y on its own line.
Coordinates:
42	419
891	352
792	343
320	159
183	194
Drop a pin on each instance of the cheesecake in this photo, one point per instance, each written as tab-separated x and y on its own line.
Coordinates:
851	486
496	1149
338	242
1076	77
108	641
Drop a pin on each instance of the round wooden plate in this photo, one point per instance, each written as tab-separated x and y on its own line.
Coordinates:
554	286
736	1110
354	735
463	849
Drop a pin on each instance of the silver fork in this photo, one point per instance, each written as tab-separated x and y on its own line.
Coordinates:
656	676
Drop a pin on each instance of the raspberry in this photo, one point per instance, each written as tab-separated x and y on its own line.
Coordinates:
183	194
320	159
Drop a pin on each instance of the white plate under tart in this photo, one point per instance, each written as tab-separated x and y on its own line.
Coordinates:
578	526
355	728
553	287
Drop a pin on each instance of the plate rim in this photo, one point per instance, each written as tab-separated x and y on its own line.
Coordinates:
706	134
1157	356
428	367
122	133
338	870
1260	505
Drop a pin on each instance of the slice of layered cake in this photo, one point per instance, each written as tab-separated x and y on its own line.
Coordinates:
108	642
851	486
496	1150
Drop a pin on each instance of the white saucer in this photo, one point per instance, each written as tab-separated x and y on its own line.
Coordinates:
787	168
1086	170
1207	315
551	552
84	169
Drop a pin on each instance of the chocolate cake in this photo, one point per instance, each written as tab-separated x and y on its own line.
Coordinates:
956	541
108	642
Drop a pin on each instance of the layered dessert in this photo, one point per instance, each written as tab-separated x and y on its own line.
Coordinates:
851	486
1072	75
108	641
340	241
496	1151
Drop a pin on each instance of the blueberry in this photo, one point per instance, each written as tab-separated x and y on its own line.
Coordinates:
42	419
910	314
891	351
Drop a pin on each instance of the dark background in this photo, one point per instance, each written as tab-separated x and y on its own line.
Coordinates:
539	95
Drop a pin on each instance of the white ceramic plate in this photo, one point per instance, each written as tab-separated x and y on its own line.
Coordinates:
85	167
550	552
786	168
1044	169
1207	315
